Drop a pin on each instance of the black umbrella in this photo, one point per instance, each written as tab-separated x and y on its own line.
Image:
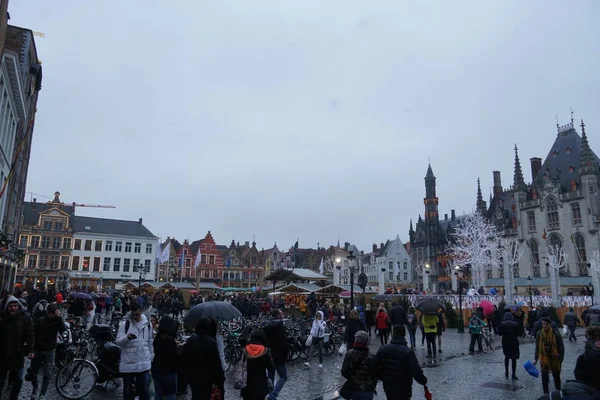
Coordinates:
81	295
217	310
429	305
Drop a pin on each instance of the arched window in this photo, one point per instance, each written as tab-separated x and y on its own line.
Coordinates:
555	240
581	254
535	257
576	213
552	210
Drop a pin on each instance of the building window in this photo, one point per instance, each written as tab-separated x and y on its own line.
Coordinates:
23	241
35	242
531	220
211	259
96	264
147	264
405	277
106	265
576	213
58	226
56	242
136	265
48	225
138	248
391	275
148	248
581	254
405	265
43	261
108	245
64	262
86	264
54	260
88	245
516	273
202	258
45	242
391	265
553	222
188	262
98	245
127	247
117	264
119	246
75	263
126	264
66	243
32	262
77	244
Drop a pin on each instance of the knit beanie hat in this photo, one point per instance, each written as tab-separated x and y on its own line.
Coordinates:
361	337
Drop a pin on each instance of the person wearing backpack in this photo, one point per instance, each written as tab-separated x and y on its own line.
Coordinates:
258	366
39	310
202	362
412	323
475	325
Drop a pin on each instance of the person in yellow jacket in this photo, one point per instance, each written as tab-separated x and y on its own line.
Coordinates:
430	326
302	307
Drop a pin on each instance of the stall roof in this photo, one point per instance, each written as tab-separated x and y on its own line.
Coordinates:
572	281
343	288
179	285
296	274
300	287
208	285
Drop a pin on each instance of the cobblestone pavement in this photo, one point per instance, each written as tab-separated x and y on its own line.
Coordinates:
453	375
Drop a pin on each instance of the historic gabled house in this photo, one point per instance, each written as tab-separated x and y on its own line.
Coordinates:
560	206
430	238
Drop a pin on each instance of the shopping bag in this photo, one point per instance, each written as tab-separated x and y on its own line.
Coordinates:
565	330
531	369
342	350
427	393
309	340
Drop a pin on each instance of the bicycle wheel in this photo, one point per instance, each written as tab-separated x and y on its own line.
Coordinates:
77	379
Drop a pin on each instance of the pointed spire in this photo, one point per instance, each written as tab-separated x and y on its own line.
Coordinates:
519	182
481	204
588	163
429	172
411	226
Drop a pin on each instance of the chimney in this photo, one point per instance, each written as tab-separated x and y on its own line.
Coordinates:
381	246
247	244
452	215
497	184
34	203
536	167
445	217
374	247
140	220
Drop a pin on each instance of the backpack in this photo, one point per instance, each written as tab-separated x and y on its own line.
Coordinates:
40	310
411	319
240	373
128	324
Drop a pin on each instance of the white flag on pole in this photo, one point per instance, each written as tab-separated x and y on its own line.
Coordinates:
164	255
396	270
321	267
198	258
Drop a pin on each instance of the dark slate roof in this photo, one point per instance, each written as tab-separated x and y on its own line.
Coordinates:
31	215
558	159
502	206
111	227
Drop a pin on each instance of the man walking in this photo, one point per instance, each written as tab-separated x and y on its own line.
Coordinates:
397	314
134	337
45	330
571	322
277	342
16	340
397	366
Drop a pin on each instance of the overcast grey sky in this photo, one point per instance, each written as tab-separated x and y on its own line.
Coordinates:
300	119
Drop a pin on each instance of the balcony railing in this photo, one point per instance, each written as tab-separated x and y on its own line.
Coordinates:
531	204
509	232
578	194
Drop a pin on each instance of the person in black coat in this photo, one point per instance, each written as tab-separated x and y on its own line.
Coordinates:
259	365
166	358
353	325
202	360
278	344
397	366
510	332
397	314
587	368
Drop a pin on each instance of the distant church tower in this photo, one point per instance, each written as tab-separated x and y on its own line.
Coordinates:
432	221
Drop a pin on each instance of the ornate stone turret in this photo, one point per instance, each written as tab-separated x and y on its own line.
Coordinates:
481	204
518	181
411	232
588	162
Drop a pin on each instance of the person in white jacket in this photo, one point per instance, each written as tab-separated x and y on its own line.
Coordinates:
135	339
318	336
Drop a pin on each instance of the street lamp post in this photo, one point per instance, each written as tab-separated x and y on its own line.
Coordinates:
351	257
591	292
529	279
461	322
142	276
426	277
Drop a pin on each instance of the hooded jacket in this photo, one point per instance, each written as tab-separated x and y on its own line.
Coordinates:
586	368
318	326
277	340
136	354
201	357
165	348
16	337
509	330
259	363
